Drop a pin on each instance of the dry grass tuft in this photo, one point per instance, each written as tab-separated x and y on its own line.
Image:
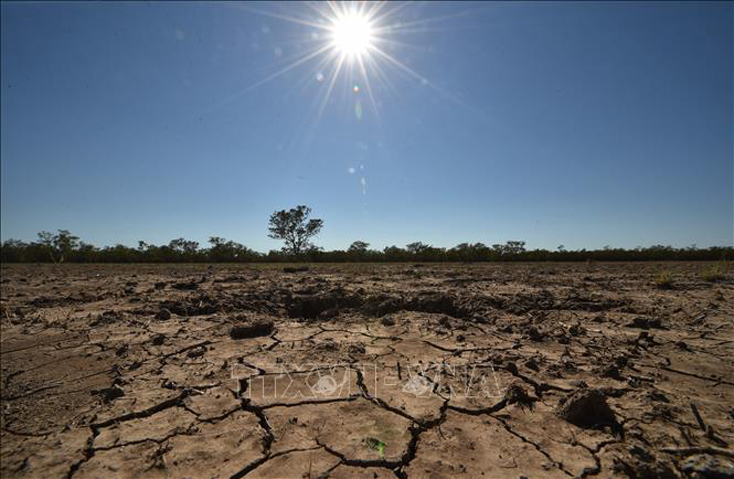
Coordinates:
664	280
713	274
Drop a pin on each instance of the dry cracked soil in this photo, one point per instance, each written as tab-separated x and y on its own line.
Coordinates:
498	370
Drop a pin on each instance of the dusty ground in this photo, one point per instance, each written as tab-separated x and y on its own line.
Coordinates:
366	371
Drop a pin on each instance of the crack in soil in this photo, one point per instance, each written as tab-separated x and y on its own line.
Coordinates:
551	330
558	465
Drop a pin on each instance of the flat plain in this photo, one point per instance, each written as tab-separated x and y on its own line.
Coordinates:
367	370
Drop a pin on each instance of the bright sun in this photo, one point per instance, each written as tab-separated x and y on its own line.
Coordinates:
351	34
346	40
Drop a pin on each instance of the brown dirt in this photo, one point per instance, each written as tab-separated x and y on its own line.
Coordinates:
366	371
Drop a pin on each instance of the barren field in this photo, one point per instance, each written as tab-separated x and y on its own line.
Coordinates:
507	370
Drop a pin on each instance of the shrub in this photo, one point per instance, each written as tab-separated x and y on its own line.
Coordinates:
664	280
713	274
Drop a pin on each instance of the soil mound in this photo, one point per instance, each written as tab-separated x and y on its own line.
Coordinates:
587	408
251	329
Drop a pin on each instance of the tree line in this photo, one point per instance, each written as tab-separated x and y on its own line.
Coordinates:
295	228
64	247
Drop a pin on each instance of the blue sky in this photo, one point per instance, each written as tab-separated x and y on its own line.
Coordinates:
583	124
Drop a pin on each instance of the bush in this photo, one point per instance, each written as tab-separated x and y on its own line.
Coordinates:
713	274
664	280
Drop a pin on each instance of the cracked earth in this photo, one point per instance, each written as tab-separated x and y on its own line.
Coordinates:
509	370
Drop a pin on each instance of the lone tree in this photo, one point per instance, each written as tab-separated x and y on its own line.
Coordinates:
294	227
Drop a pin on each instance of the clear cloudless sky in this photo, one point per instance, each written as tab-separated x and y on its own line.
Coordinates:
583	124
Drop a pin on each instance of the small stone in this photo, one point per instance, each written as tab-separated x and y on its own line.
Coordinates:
163	314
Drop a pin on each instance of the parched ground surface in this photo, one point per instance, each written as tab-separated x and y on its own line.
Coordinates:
516	370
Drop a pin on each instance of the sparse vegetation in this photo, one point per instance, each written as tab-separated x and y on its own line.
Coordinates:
713	274
664	280
377	445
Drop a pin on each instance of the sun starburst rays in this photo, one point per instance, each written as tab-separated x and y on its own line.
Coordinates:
346	42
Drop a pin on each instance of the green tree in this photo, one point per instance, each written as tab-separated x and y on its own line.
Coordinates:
295	228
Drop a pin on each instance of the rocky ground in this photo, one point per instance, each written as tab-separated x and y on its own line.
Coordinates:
502	370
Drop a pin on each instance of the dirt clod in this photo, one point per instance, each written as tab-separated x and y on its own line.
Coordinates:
704	466
645	323
111	393
251	329
517	394
533	334
196	352
186	286
295	269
